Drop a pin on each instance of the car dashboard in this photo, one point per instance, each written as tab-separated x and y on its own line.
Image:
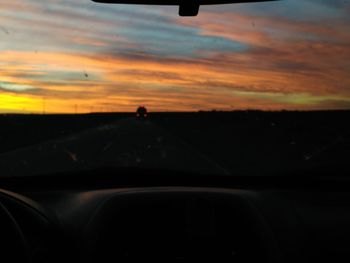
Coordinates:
175	223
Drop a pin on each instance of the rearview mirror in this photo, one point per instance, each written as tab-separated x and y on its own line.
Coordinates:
186	7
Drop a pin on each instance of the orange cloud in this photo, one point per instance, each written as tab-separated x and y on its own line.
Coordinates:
272	74
300	56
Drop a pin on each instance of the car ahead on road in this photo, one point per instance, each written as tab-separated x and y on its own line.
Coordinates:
141	113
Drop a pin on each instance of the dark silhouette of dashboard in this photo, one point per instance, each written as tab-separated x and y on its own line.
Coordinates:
177	222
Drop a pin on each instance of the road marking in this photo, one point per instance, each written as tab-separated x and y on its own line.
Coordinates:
107	146
73	156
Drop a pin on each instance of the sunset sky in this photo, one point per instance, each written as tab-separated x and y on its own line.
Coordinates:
76	55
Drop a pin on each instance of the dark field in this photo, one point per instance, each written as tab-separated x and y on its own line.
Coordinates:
23	130
241	142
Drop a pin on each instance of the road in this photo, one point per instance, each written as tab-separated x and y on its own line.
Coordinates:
125	143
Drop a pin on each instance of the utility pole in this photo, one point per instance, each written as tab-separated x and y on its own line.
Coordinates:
44	106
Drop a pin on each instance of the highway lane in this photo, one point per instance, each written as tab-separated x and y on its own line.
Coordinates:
125	143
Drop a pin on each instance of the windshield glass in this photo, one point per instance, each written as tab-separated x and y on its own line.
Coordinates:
255	88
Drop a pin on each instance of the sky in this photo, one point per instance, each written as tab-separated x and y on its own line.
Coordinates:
66	56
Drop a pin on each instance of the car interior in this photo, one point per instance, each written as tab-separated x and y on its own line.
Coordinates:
130	214
174	219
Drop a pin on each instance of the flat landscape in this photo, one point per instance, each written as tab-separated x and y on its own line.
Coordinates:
238	142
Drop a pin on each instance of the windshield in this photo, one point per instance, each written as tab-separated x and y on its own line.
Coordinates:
255	88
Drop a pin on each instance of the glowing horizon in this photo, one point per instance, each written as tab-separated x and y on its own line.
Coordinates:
62	55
